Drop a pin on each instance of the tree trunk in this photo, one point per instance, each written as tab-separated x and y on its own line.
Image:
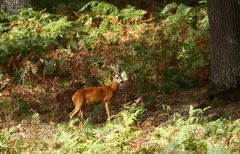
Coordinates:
12	6
224	21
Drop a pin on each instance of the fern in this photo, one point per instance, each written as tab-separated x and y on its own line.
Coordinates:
100	8
216	148
131	113
180	16
56	28
131	14
168	8
5	135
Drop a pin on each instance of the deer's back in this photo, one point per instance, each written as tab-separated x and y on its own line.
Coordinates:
92	95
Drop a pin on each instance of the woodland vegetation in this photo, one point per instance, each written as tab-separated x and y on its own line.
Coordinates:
165	104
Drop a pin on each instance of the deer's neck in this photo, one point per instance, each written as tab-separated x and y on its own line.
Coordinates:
115	86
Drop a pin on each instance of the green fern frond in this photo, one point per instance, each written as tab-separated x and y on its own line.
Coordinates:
130	114
130	13
100	8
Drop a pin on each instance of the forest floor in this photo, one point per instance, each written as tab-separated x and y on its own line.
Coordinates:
158	109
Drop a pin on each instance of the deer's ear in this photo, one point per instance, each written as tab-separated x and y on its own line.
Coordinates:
124	75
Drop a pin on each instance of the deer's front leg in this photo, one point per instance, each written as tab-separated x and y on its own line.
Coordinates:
107	109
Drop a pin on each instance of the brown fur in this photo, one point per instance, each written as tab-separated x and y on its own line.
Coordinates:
94	95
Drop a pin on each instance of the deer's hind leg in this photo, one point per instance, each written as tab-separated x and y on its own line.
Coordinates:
78	107
80	114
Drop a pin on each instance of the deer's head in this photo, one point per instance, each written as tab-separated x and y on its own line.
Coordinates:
117	78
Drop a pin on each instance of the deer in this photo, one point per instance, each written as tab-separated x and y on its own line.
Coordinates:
94	95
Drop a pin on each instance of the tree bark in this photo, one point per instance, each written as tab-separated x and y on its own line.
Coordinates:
224	21
12	6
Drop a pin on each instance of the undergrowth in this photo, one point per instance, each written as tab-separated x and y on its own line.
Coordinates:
191	134
108	35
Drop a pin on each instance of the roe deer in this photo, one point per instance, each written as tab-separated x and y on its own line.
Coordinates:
94	95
